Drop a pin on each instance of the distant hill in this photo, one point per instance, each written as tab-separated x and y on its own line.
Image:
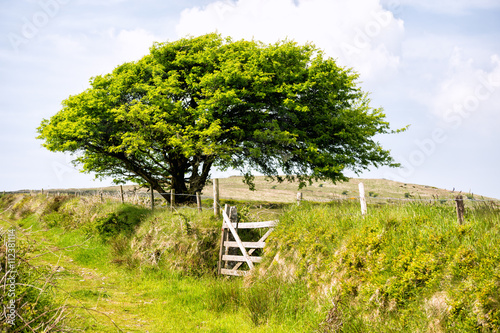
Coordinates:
234	188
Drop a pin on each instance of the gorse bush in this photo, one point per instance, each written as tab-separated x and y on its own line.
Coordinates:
56	219
409	267
54	204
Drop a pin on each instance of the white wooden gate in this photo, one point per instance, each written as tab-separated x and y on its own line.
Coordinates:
232	227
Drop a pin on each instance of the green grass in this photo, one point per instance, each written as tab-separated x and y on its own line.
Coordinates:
146	299
405	267
177	293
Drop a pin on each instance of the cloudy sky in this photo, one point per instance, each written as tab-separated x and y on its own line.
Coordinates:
433	65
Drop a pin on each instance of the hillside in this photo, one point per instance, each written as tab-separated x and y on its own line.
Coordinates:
286	192
234	188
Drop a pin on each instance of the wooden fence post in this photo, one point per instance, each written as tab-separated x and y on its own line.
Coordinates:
460	209
198	201
172	199
299	198
362	198
121	192
232	260
233	217
224	235
152	197
216	197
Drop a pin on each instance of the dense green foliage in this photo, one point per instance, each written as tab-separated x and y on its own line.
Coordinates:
196	103
123	221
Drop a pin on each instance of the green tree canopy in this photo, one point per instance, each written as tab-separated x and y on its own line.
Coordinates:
198	103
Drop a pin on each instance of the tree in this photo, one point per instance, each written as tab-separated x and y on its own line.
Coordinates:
198	103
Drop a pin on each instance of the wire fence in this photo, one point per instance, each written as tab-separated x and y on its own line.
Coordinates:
312	198
375	199
189	201
181	201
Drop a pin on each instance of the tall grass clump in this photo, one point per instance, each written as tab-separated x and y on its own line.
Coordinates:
185	241
27	296
225	295
270	302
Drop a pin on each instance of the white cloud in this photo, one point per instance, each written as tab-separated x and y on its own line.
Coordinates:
468	97
99	52
450	6
134	44
429	46
359	34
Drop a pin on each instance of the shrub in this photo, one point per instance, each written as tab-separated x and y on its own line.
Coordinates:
53	204
56	219
22	208
123	221
187	242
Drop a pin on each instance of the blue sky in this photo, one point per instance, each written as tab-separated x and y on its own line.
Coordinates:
434	65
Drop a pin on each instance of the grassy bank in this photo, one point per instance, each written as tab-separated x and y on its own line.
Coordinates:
403	268
123	268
